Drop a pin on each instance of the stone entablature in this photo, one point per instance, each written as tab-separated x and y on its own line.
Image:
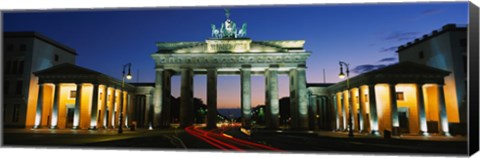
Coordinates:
405	72
238	45
230	55
203	61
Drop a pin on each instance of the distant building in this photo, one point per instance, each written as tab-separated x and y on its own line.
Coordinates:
25	53
444	49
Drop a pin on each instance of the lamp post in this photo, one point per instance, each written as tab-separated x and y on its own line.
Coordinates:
128	76
341	75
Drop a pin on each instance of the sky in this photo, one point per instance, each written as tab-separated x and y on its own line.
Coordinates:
363	35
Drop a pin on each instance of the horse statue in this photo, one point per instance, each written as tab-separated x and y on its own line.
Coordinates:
243	31
215	32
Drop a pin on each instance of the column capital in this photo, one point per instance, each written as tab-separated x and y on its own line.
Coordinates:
392	83
212	69
246	67
159	68
421	83
301	67
273	67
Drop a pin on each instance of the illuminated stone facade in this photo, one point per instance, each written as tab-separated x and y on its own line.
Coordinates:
229	52
236	56
445	49
70	96
397	98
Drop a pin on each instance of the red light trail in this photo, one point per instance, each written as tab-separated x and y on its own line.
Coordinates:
218	139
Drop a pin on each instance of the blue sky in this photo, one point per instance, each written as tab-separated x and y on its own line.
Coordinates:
364	35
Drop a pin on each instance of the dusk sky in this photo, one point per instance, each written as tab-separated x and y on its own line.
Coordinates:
364	35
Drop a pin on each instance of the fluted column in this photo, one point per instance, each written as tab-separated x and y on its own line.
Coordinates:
335	108
157	97
186	98
128	118
302	98
393	109
314	112
113	107
246	96
443	111
148	107
298	98
354	111
105	106
346	110
166	109
272	103
373	109
421	110
39	110
341	106
212	98
361	104
94	108
56	101
78	104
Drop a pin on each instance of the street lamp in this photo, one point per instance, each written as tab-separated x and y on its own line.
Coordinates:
128	76
341	75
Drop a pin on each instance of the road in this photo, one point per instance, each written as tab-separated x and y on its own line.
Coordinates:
228	138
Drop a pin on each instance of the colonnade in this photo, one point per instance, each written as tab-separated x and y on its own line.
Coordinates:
298	94
344	103
107	116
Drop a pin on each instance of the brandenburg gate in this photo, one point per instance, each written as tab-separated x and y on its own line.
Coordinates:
229	52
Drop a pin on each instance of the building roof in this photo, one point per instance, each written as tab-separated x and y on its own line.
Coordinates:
319	84
65	69
70	73
403	72
144	84
425	37
407	67
31	34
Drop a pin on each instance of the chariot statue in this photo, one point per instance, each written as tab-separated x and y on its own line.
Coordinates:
228	29
215	32
243	31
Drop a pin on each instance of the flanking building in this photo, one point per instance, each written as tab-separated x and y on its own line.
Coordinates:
23	54
445	49
423	94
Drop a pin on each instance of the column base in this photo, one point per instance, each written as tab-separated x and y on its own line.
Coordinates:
396	131
93	128
424	133
36	127
446	134
53	127
375	132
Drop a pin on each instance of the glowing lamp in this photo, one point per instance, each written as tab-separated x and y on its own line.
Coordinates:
341	75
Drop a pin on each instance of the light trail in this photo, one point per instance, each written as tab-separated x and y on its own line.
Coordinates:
222	141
